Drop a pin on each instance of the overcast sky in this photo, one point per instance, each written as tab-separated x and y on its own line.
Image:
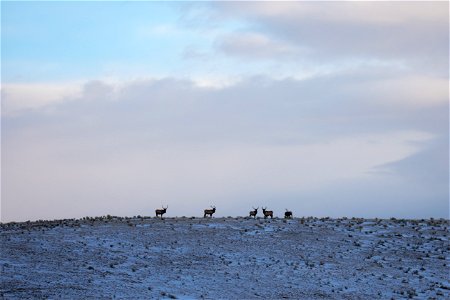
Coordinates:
325	108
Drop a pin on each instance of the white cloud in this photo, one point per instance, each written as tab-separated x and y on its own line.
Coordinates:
255	141
77	176
399	92
408	91
252	45
414	32
161	30
17	97
380	13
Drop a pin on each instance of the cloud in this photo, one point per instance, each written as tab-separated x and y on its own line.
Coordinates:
161	30
419	91
257	109
125	149
429	166
256	46
125	174
415	33
17	97
344	12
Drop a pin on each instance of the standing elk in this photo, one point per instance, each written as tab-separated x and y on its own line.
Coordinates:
161	211
254	212
288	214
267	213
209	211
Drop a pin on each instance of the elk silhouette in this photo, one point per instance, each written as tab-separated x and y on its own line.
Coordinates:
288	214
267	213
209	211
161	211
254	212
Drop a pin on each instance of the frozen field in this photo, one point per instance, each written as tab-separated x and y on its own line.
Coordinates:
225	258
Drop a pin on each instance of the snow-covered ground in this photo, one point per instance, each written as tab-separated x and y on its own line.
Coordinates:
225	258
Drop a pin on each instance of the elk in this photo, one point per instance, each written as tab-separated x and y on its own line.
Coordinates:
161	211
267	213
288	214
209	211
254	212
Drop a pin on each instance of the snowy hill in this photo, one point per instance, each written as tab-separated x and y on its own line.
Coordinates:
225	258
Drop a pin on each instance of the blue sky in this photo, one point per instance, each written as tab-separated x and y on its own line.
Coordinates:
72	40
54	41
327	108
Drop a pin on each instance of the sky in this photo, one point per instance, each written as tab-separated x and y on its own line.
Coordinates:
325	108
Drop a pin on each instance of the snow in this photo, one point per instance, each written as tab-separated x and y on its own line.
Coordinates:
225	258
